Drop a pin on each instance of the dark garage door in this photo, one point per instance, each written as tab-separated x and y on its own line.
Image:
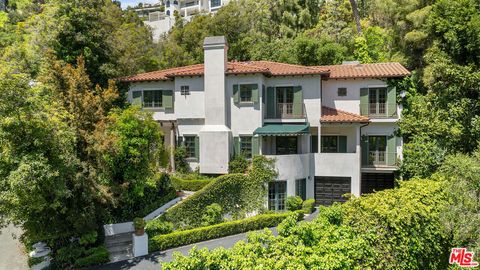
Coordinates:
376	182
330	189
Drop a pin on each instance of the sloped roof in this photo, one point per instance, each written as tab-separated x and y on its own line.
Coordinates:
377	70
331	115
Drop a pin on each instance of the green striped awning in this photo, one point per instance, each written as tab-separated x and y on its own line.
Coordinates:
283	130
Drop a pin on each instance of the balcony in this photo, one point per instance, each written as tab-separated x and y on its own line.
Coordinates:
380	159
286	111
379	110
292	166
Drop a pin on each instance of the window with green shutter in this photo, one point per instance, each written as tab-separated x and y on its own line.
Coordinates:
334	144
167	99
246	146
152	98
190	143
246	93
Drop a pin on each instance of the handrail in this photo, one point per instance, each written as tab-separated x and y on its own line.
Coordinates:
379	110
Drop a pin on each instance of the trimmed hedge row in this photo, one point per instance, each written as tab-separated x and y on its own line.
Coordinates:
181	238
189	185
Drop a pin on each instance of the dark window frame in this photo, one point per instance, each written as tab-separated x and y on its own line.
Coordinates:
189	144
246	145
277	195
330	139
185	90
342	92
156	99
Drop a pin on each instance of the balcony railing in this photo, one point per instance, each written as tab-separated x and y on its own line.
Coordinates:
379	110
287	111
380	158
189	4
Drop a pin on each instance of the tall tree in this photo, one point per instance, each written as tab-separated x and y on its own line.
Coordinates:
356	16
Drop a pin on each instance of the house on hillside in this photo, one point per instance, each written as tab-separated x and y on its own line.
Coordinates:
331	129
161	16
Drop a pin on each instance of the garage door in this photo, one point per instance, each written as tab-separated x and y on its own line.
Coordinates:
376	182
330	189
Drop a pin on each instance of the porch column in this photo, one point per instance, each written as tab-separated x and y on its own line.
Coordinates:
357	179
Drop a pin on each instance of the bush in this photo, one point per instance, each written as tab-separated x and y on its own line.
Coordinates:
181	238
308	206
294	203
157	227
138	223
239	164
391	229
213	215
180	157
93	256
189	185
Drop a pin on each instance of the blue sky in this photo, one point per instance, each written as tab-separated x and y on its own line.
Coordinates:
132	3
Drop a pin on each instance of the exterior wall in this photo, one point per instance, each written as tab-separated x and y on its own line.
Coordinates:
193	105
311	93
349	131
291	168
243	119
159	114
351	102
339	165
384	129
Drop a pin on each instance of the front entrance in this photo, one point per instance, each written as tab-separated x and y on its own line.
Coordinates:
331	189
372	182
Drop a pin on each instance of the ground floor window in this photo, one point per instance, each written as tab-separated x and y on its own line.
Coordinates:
246	146
286	145
301	188
277	193
189	142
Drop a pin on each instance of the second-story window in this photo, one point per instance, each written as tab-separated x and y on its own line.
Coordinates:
334	144
246	93
185	90
342	92
377	98
152	99
215	3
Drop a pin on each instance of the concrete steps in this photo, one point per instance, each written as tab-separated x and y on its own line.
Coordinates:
119	246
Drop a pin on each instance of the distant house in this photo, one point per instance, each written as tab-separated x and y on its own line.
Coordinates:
160	17
331	129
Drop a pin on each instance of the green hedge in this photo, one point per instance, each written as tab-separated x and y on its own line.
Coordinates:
181	238
93	256
189	185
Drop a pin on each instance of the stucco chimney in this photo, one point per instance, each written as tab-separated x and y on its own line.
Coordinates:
215	59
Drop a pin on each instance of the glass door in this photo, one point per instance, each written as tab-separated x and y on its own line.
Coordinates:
377	147
284	101
277	193
377	98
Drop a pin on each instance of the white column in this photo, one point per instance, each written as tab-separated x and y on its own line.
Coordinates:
356	178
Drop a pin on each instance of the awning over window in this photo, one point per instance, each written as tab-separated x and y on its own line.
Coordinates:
283	130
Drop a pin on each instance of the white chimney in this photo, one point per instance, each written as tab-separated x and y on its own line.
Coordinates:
215	60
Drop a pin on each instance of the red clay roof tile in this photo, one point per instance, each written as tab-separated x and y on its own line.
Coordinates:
330	115
377	70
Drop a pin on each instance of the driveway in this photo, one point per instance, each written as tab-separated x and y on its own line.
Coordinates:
12	255
153	261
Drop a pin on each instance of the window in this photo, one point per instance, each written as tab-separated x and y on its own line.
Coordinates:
301	188
246	93
189	142
185	90
246	146
334	144
168	12
215	3
277	192
342	92
285	96
377	149
152	99
286	145
377	98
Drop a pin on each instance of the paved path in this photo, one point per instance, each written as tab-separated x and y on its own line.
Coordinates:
152	261
12	256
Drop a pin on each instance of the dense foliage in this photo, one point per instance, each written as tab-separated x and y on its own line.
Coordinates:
394	229
186	237
190	182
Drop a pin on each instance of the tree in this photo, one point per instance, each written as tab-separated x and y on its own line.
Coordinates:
356	16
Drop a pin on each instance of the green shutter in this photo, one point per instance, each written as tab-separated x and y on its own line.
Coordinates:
364	150
255	93
197	148
391	150
137	98
297	101
270	102
391	101
167	99
236	94
364	101
342	144
255	146
263	94
236	146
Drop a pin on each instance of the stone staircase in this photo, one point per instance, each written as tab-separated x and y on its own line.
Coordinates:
120	246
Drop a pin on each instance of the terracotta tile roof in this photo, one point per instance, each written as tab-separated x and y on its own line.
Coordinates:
330	115
377	70
265	67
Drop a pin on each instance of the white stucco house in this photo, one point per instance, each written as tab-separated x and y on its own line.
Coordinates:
161	16
331	129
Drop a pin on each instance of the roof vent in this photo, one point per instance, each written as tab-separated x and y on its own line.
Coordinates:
351	62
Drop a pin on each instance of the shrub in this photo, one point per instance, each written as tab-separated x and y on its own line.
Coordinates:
190	185
157	227
239	164
181	238
138	223
294	203
391	229
213	215
180	157
93	256
308	206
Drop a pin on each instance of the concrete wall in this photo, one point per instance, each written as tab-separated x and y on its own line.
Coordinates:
159	114
339	165
291	168
193	105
